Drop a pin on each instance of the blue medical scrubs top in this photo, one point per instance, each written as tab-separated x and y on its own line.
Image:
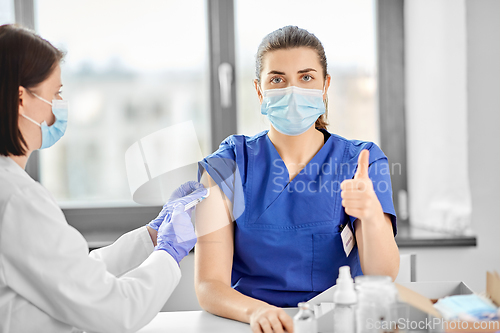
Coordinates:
287	235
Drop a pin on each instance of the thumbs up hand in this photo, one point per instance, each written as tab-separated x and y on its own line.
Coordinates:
358	196
363	163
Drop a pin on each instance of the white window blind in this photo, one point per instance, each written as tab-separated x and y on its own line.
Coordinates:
436	105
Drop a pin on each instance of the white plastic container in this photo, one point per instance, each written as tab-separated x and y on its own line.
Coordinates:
345	298
377	298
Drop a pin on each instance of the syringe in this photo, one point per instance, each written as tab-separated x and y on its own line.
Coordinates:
197	201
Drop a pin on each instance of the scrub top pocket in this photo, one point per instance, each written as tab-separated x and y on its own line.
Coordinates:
328	257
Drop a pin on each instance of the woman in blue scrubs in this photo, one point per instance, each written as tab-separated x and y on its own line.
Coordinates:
304	201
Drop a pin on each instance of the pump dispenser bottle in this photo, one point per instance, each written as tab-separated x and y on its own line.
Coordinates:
345	299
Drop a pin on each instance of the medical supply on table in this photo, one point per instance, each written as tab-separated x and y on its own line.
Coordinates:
292	110
345	298
51	134
377	303
467	307
305	321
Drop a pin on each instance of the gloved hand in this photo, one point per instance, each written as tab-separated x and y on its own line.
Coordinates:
180	193
176	234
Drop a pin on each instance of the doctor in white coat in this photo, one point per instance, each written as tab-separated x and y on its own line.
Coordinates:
48	281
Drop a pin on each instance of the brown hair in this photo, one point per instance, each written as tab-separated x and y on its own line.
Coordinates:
26	60
287	38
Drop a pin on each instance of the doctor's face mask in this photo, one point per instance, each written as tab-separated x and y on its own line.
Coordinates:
52	134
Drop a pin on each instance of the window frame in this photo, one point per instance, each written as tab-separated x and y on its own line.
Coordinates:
114	221
391	98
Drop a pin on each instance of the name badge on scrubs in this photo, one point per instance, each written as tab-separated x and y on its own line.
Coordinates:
347	239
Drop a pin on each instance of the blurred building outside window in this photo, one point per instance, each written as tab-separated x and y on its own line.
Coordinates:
7	14
131	68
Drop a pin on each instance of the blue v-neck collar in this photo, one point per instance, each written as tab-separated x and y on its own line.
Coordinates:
278	165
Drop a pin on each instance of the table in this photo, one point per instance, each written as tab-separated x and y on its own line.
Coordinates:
193	322
197	322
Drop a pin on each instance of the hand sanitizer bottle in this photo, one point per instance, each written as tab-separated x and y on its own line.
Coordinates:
305	321
345	300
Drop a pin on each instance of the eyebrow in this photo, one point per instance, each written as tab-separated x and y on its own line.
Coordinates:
276	72
299	72
306	70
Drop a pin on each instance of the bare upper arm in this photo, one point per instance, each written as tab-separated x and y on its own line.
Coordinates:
214	229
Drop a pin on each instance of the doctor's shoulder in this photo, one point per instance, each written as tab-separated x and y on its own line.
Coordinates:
17	185
11	183
25	194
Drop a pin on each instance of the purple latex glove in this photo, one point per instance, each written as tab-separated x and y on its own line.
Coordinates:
176	234
180	195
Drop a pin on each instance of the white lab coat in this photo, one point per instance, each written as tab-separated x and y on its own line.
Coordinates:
49	282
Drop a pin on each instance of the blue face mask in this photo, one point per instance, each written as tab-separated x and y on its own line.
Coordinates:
292	110
52	134
461	306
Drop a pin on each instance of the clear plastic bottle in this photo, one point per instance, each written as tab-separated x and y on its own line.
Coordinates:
305	320
377	297
344	319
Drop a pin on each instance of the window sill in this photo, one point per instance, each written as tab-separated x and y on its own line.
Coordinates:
414	237
102	226
407	237
98	240
121	220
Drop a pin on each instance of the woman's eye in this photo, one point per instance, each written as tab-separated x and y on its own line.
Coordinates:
307	77
276	80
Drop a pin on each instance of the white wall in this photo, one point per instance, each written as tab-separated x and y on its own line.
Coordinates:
184	297
470	264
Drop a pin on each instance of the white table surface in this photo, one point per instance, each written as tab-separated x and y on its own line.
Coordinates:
193	322
197	322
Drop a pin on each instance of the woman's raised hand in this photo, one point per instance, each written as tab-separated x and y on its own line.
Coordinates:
358	196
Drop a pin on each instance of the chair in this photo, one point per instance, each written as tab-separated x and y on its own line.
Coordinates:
407	268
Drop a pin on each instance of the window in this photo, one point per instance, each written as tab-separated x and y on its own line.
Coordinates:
7	13
129	71
136	67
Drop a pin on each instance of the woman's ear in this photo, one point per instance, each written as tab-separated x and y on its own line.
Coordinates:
327	85
257	89
22	99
